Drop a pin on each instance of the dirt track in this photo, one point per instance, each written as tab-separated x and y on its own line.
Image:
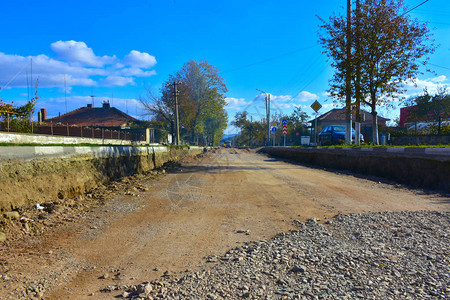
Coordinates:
203	208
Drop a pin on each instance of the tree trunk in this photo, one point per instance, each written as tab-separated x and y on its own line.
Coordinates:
374	127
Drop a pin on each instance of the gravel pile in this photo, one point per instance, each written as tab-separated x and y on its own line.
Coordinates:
388	255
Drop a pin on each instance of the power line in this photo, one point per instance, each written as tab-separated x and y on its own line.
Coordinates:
267	59
414	8
439	66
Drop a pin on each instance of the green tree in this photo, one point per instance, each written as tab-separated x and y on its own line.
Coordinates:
252	133
201	102
18	118
391	48
430	108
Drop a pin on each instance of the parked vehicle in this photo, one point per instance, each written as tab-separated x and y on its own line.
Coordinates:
335	134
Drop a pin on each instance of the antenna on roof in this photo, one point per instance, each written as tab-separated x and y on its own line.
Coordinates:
65	92
28	86
92	96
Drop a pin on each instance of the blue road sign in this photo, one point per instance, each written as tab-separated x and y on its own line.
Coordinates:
273	129
285	122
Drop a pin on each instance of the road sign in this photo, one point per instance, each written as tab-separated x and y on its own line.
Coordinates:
285	122
297	133
316	106
273	129
284	131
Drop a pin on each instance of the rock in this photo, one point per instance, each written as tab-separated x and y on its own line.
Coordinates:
312	220
2	237
104	276
298	269
325	262
12	215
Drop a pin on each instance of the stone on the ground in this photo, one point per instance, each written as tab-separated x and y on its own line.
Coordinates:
12	215
2	237
385	255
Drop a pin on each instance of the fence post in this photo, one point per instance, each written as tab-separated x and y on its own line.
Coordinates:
439	124
8	121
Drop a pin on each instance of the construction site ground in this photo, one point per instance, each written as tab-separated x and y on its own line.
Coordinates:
166	222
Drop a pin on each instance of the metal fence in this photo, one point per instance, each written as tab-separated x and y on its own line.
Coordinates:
138	134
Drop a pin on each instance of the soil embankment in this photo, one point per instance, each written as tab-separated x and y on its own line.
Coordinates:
74	170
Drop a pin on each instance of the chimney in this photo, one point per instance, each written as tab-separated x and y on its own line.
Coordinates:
43	114
106	105
89	105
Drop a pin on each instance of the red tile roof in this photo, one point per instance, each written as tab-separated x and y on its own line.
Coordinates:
105	116
338	114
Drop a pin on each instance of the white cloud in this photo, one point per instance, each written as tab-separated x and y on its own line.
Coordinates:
441	78
139	59
78	64
116	81
239	104
79	53
136	72
306	96
417	86
290	102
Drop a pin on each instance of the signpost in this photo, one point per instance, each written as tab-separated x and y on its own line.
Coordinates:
316	106
285	122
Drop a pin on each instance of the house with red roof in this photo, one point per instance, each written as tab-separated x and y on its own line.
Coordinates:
337	116
105	116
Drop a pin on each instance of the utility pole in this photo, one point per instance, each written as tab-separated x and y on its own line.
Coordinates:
268	115
358	96
177	120
348	77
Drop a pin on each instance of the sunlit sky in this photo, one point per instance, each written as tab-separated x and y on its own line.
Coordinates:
114	50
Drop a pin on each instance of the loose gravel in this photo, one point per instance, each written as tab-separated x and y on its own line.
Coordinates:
387	255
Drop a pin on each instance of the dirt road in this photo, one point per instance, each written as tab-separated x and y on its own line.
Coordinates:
204	208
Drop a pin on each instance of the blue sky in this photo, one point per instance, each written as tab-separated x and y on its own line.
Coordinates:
117	49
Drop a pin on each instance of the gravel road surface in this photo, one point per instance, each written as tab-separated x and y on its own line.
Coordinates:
182	222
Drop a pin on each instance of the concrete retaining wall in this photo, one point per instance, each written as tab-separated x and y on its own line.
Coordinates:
418	167
421	139
30	175
24	138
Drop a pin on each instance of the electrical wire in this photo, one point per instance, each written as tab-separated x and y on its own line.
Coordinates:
12	79
439	66
267	59
408	11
